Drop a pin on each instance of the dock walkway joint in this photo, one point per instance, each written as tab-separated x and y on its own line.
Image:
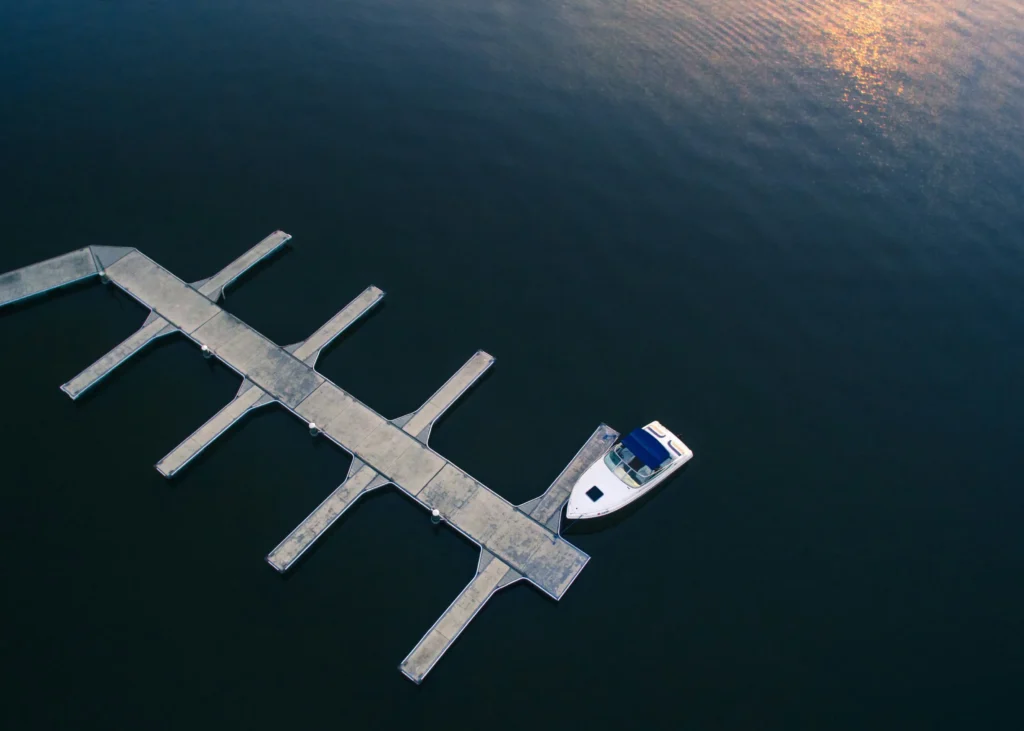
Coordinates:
516	542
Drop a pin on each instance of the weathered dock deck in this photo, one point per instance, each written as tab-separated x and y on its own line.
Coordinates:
361	477
493	573
251	396
517	543
46	276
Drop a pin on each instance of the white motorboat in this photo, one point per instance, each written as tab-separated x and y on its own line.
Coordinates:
634	466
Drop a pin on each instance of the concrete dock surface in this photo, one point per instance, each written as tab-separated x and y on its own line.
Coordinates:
517	543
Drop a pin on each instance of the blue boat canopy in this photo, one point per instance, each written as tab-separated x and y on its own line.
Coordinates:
646	447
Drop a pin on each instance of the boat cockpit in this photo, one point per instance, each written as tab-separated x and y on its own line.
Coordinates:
637	458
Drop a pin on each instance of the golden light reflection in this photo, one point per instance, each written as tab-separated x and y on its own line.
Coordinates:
887	50
888	63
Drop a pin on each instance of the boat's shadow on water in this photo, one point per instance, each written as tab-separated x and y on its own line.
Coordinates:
598	525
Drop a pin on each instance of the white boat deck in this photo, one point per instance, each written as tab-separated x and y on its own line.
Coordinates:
516	543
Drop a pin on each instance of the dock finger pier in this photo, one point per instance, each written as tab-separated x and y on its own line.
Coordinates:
517	542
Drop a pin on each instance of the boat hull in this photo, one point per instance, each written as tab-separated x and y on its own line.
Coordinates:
600	491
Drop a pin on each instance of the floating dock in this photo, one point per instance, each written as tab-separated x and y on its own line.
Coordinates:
517	542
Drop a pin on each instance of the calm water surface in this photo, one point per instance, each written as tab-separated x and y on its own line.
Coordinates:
791	231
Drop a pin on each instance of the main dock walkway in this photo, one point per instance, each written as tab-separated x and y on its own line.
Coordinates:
517	543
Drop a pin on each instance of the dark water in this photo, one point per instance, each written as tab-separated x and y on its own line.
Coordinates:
791	231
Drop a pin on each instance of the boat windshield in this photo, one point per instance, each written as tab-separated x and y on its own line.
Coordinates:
627	467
